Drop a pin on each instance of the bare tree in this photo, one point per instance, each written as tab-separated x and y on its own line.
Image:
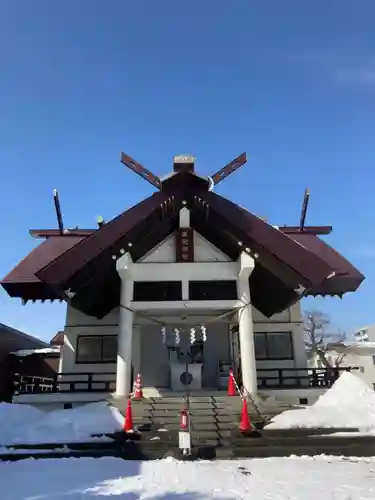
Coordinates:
317	333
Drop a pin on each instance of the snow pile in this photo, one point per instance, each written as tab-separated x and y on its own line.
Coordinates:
61	426
349	403
14	417
325	478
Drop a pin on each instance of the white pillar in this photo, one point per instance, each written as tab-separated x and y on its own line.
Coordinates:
245	325
125	337
125	334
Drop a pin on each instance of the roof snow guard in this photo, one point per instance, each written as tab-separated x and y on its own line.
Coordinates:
290	263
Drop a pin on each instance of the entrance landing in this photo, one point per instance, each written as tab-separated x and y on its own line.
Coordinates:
154	392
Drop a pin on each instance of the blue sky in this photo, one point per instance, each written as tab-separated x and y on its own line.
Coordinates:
290	82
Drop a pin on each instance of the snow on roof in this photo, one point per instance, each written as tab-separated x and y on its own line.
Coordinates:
29	352
361	348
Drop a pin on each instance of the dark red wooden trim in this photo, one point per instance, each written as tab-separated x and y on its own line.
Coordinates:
136	167
47	233
307	229
229	168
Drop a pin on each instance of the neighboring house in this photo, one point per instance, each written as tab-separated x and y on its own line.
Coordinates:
360	353
356	354
12	340
365	334
186	271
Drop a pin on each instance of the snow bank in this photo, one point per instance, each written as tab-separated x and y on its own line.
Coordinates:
62	426
349	403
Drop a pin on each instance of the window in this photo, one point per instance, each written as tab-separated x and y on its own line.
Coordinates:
275	345
212	290
373	360
96	349
260	346
157	291
362	336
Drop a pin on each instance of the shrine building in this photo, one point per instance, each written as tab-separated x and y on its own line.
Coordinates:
179	288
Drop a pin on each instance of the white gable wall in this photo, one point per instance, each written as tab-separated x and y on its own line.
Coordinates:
204	251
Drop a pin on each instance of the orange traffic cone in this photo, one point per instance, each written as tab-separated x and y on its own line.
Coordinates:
245	423
128	424
138	393
231	386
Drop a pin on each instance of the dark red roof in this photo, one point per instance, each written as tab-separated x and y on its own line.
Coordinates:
24	273
289	262
346	279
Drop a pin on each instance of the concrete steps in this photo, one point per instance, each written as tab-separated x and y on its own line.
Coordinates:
213	419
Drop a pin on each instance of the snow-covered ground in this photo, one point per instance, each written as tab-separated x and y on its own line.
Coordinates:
322	478
349	403
23	424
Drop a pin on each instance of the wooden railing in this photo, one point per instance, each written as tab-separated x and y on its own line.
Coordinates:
65	382
299	378
268	378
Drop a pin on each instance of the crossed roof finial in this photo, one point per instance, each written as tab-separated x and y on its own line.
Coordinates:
188	163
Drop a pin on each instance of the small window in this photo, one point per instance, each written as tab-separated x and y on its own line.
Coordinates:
212	290
260	346
109	348
156	291
96	349
373	360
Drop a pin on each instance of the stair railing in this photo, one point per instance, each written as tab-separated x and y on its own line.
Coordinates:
244	393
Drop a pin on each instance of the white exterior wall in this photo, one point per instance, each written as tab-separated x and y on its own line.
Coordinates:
289	320
77	324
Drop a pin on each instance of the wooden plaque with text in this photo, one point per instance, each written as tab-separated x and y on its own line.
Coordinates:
185	245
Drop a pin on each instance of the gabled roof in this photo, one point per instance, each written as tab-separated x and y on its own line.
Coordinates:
288	264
